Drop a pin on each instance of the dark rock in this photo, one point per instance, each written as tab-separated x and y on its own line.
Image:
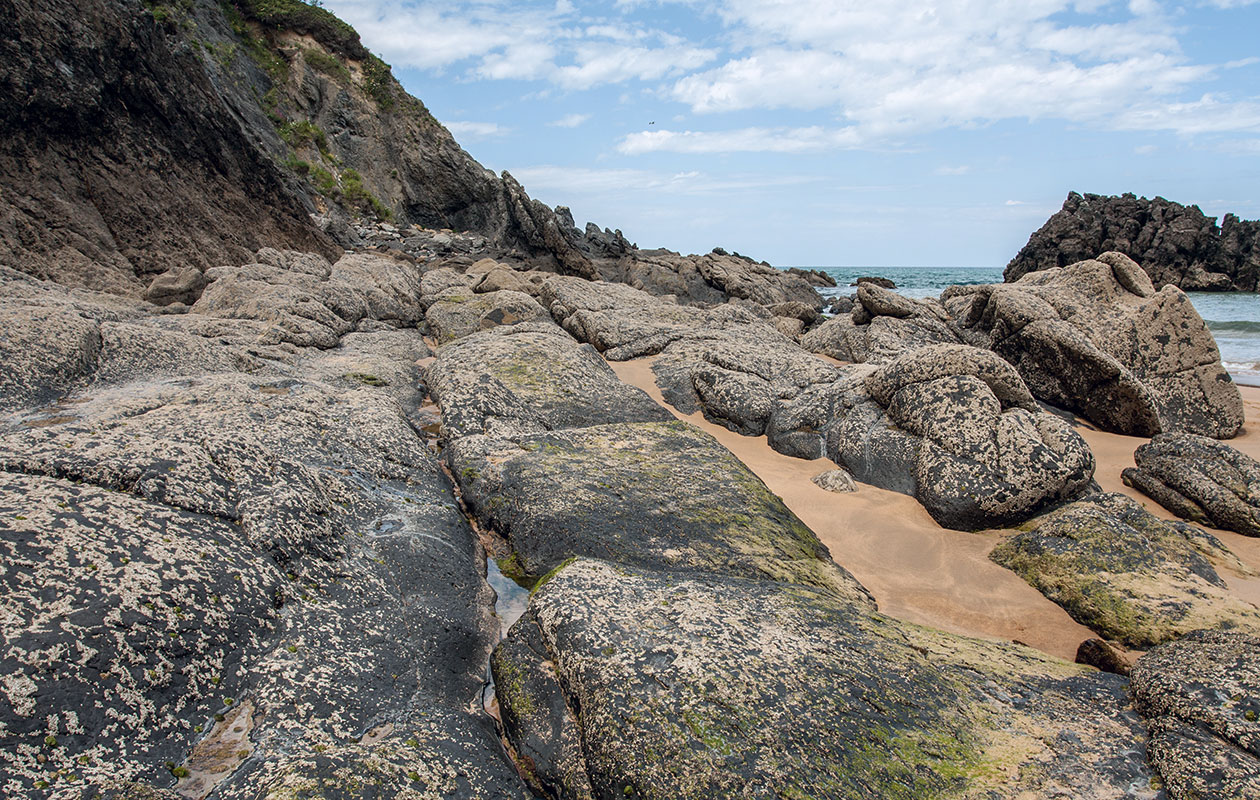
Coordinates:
708	686
951	425
1176	245
1200	479
874	280
612	491
1201	697
841	304
1125	573
816	277
1102	655
1095	338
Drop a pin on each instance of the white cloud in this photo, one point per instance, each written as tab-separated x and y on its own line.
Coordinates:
743	140
961	169
570	121
1015	203
476	130
1146	150
581	180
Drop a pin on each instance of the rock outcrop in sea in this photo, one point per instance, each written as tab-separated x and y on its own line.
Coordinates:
1177	245
288	379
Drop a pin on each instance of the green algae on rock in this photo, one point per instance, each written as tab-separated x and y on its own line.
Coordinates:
1125	573
700	685
612	491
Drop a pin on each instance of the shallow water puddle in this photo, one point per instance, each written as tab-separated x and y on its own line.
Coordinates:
217	756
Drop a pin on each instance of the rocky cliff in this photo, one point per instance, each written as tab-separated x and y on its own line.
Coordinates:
1175	244
144	136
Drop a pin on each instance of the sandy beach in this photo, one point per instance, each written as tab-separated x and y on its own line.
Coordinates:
922	573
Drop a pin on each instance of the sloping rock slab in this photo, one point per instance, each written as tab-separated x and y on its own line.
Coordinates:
628	683
1201	695
284	554
1199	479
530	377
1097	339
1125	573
951	425
616	492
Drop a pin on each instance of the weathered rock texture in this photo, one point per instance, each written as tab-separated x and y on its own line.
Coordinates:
1096	338
530	378
708	279
1199	479
249	577
728	361
1177	245
1125	573
1201	698
881	326
622	682
952	425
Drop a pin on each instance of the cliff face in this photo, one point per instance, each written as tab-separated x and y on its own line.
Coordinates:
1175	244
145	136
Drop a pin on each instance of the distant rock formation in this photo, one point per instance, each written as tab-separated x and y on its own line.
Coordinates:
1096	338
1175	244
189	134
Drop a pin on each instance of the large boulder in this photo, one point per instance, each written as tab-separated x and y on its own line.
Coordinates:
529	378
624	682
727	361
453	314
1125	573
611	491
1201	697
1096	338
1176	245
882	326
952	425
1199	479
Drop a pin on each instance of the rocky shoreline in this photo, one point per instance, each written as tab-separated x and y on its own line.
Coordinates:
251	491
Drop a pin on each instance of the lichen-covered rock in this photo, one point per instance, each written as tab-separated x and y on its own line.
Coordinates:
1125	573
309	303
1095	338
1201	696
527	378
1200	479
835	480
612	491
882	326
251	584
725	361
699	279
707	686
453	314
952	425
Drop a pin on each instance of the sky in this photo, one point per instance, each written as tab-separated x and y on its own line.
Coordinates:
815	132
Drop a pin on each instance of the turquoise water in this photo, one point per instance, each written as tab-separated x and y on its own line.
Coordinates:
1233	318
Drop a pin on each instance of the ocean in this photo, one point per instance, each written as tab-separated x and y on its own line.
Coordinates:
1233	318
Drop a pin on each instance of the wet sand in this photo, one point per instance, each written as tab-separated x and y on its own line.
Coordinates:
918	571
